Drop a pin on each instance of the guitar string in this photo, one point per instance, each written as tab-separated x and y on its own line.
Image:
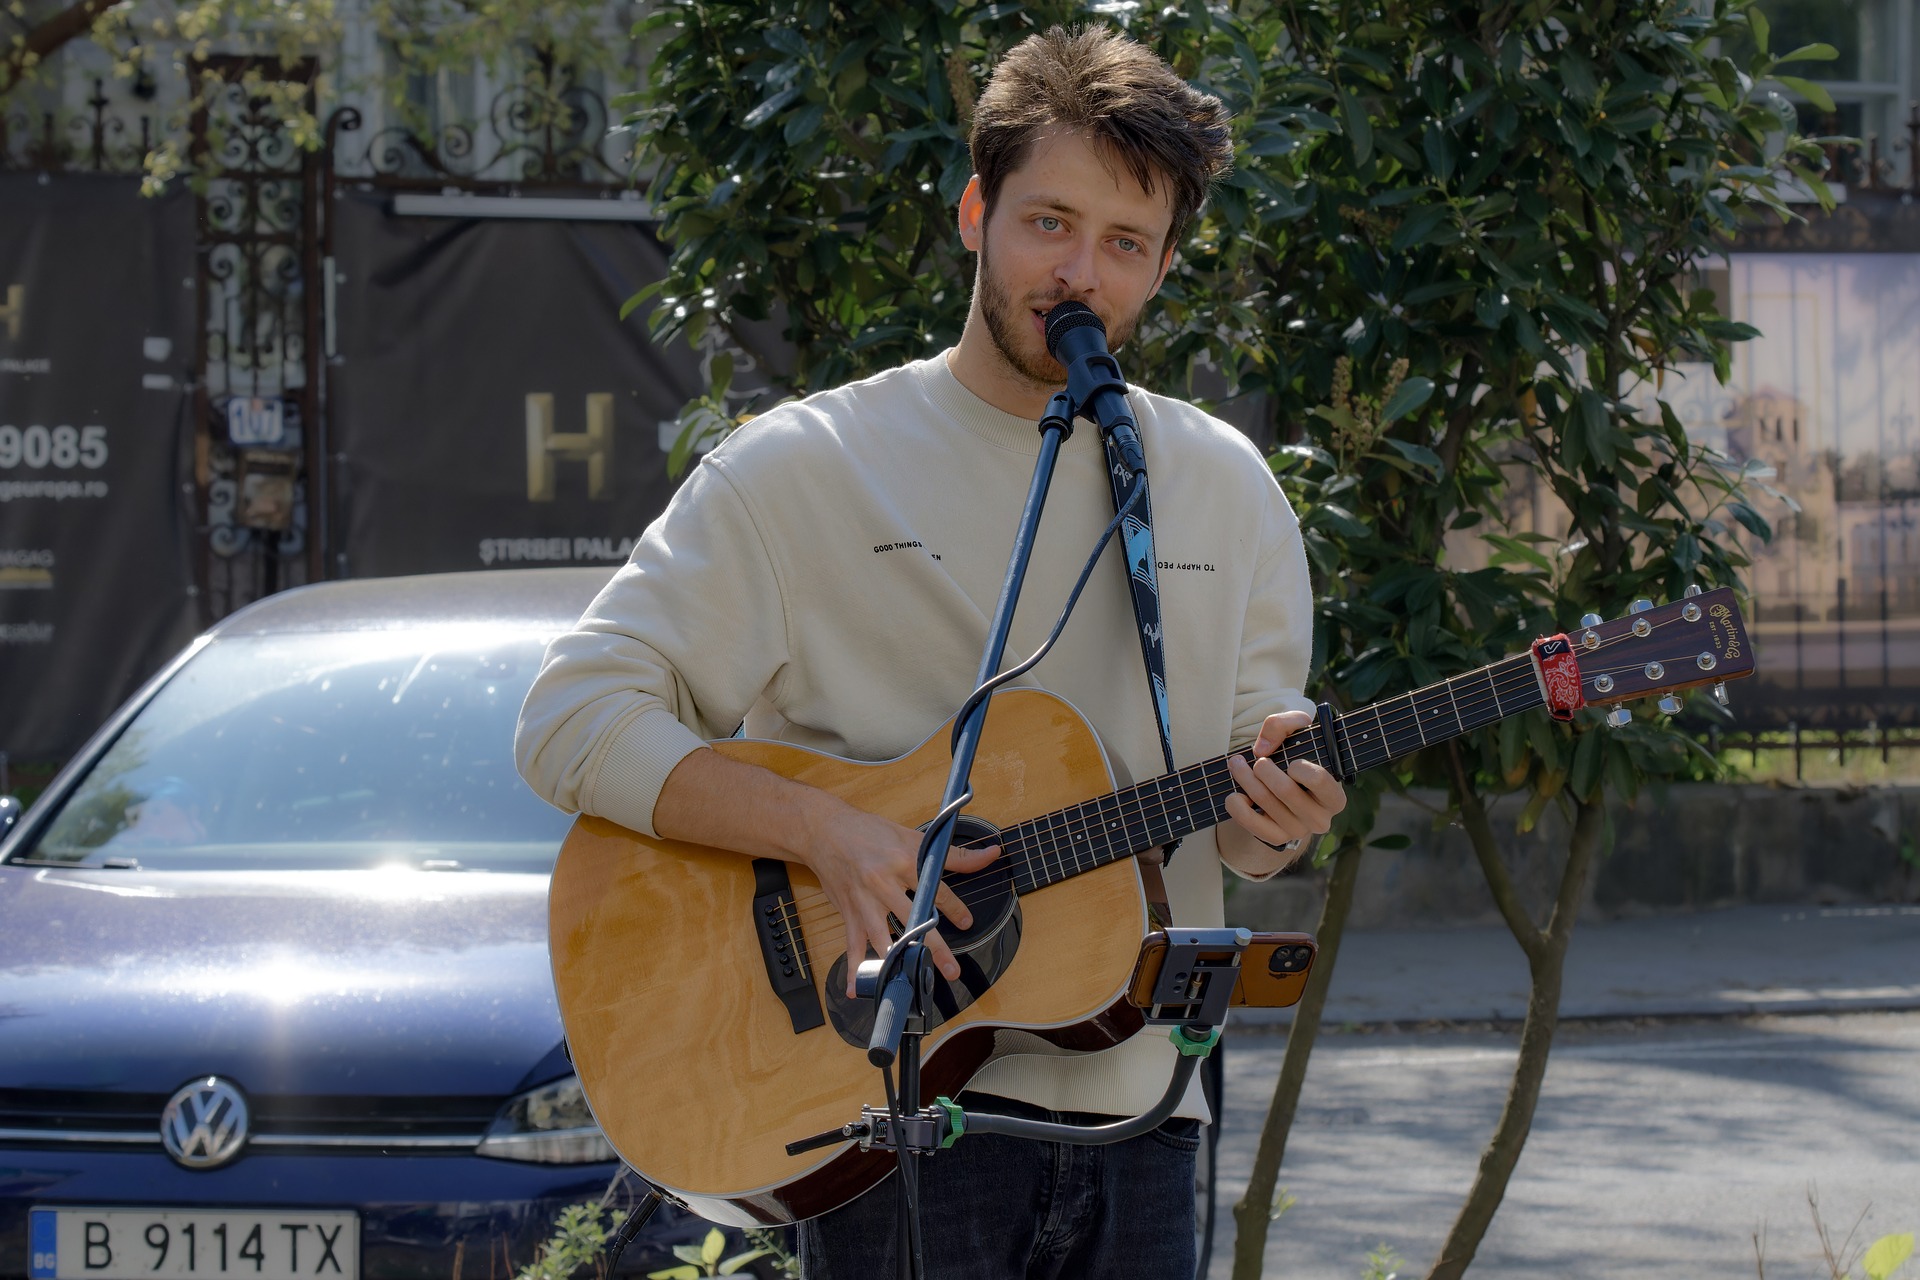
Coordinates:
1053	854
1213	774
1050	853
1207	777
1523	671
1212	778
1389	730
790	916
1076	821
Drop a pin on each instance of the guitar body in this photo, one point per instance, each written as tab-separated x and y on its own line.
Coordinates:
690	1060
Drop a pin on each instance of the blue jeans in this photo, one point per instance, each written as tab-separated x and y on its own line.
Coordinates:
995	1208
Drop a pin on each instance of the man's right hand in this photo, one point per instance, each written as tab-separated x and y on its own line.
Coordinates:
865	863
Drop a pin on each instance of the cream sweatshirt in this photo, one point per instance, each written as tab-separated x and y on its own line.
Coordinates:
826	577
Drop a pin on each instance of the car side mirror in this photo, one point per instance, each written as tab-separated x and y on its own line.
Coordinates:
10	811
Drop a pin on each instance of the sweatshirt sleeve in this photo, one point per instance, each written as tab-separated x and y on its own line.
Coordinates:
690	632
1276	642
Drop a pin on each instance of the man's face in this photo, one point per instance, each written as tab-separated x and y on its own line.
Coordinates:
1071	224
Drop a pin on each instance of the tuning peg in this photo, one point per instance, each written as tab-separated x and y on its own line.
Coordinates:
1590	620
1619	718
1720	692
1694	588
1670	705
1640	606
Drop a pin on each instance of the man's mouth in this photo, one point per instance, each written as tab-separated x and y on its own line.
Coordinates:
1041	312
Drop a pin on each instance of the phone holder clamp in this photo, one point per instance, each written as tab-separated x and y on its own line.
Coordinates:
1196	979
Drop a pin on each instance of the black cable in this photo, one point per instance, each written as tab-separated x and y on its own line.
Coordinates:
946	815
1060	624
907	1197
627	1230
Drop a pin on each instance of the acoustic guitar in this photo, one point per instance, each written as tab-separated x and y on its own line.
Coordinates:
703	1059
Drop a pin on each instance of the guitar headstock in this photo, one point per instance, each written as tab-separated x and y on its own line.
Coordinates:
1701	639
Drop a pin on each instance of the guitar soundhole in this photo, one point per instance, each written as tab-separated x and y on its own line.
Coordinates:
984	950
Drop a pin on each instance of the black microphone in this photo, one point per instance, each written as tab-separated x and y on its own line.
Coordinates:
1078	340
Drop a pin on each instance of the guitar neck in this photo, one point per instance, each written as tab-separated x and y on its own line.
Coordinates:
1068	841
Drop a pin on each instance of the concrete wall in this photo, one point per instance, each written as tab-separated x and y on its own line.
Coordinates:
1696	846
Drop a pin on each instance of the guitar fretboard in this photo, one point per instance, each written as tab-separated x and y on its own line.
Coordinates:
1054	846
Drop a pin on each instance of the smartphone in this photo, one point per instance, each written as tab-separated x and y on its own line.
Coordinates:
1273	970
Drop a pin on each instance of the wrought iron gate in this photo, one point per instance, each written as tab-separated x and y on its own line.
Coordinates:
260	440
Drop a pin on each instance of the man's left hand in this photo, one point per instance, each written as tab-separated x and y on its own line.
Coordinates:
1279	805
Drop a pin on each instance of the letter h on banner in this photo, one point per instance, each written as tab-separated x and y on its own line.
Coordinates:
594	446
14	314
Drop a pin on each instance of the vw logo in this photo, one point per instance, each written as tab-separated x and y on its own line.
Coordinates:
204	1125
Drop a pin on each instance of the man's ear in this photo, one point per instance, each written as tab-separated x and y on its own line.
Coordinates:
973	214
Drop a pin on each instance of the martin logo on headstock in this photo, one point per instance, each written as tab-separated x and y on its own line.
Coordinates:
1728	639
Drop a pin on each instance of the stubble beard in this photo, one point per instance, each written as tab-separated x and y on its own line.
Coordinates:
1007	322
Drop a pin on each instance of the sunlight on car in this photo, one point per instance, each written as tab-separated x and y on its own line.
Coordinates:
304	752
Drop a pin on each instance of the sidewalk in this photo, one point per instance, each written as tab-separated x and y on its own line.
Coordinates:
1736	961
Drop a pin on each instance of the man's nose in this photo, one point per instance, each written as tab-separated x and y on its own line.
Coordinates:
1075	270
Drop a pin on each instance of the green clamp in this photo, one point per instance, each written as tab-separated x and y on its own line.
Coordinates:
1194	1046
956	1121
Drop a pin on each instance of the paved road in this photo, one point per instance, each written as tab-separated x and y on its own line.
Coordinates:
1658	1148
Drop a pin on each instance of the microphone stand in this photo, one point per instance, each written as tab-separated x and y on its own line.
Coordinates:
1094	385
899	1017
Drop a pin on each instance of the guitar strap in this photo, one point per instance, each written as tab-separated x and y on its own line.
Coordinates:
1136	532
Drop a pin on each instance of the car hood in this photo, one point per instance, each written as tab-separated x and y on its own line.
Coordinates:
301	982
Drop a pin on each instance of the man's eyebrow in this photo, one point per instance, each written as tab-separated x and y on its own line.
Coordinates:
1056	205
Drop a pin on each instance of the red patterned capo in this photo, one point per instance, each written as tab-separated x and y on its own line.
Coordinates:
1559	676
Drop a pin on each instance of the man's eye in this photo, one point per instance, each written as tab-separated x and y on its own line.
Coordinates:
1128	246
1049	223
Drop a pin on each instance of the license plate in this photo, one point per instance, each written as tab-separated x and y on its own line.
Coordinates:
121	1244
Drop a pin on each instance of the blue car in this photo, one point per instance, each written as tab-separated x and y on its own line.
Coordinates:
274	991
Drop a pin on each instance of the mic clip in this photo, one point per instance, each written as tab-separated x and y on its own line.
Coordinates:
1059	416
1090	376
1126	443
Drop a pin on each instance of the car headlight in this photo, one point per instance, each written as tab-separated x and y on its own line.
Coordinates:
547	1125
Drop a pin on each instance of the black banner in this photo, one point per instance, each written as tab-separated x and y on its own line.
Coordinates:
490	409
96	341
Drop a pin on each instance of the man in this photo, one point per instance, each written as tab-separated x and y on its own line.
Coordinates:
826	577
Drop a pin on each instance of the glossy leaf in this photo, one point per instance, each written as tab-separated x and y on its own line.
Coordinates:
771	107
1410	395
1818	52
1359	130
1814	93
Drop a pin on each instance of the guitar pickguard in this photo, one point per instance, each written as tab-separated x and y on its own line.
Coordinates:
984	950
980	967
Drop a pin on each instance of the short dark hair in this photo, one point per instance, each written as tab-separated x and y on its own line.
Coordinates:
1094	81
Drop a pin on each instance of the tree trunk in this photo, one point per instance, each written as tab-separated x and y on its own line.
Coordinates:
1546	962
1254	1214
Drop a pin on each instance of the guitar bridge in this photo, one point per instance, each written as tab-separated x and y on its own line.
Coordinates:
777	924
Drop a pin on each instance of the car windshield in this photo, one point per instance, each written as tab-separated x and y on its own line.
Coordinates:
321	751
